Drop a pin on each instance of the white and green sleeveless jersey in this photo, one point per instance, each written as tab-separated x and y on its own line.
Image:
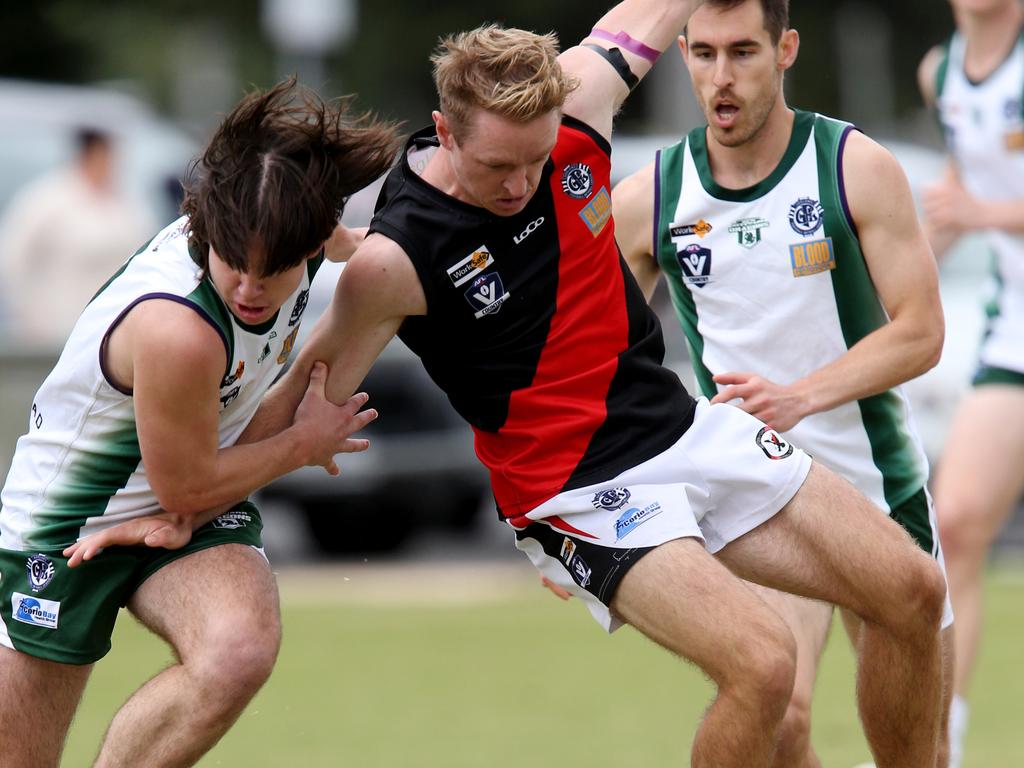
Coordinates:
771	280
79	468
983	123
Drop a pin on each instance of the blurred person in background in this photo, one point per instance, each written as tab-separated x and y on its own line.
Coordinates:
162	372
764	218
62	236
975	82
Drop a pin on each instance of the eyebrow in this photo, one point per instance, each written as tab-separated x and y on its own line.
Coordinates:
748	43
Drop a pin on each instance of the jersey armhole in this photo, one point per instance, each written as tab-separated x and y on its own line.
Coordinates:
841	180
411	253
124	313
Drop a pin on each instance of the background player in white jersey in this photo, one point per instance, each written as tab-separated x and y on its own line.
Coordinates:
976	84
162	372
783	235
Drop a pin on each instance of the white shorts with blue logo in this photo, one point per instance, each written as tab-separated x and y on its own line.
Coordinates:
725	476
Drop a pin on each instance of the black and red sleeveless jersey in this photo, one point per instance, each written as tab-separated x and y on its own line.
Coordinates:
535	328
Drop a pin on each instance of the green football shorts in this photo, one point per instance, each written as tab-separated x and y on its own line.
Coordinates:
53	612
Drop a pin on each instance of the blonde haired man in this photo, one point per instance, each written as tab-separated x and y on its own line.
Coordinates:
492	254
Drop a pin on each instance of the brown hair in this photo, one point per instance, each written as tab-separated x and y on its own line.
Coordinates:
511	72
276	174
776	14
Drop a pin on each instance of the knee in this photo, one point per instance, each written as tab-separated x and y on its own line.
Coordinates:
919	597
236	657
962	530
764	677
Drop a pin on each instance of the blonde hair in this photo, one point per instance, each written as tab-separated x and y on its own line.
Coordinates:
511	72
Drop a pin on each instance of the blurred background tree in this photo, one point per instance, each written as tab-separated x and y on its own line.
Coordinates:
193	58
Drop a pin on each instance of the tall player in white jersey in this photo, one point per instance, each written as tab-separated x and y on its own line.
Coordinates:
163	371
976	84
803	281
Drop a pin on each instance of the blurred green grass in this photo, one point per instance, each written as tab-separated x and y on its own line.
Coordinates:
510	677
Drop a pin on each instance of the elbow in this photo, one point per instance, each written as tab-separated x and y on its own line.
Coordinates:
182	502
931	348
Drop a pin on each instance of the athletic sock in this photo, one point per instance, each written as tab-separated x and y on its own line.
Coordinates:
958	715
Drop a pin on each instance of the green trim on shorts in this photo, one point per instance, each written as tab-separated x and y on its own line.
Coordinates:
70	615
990	375
914	515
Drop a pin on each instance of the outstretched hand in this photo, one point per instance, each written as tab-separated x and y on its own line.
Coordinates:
557	591
777	406
326	427
162	530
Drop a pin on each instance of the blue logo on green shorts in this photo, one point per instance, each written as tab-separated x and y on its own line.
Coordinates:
35	610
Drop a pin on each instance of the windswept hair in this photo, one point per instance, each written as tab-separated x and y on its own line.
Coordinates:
510	72
776	14
274	178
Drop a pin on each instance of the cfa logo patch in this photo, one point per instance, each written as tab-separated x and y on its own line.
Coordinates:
701	228
577	181
598	212
611	498
773	445
40	571
748	231
232	520
35	610
486	294
471	266
806	216
633	518
812	257
695	263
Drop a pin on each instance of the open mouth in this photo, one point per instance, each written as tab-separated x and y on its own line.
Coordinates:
726	114
250	313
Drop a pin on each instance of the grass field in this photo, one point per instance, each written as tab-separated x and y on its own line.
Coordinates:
479	668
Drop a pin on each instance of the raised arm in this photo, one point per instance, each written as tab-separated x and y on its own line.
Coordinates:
903	271
633	208
640	30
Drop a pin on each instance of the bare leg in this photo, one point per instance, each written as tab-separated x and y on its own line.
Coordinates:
977	483
683	599
809	621
218	610
39	699
831	543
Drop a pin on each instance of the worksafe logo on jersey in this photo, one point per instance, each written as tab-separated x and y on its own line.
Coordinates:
577	180
471	266
806	216
598	212
634	517
35	610
611	499
812	258
695	262
700	229
486	294
773	445
40	571
232	520
748	231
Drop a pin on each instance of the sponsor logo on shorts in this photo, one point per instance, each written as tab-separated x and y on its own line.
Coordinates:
232	520
40	571
773	445
611	498
486	294
812	257
471	266
286	348
568	550
35	610
598	212
634	517
695	264
748	231
701	228
806	216
578	569
300	306
577	180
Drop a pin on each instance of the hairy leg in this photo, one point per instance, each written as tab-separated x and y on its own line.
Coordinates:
830	543
978	481
809	621
218	610
38	702
683	599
